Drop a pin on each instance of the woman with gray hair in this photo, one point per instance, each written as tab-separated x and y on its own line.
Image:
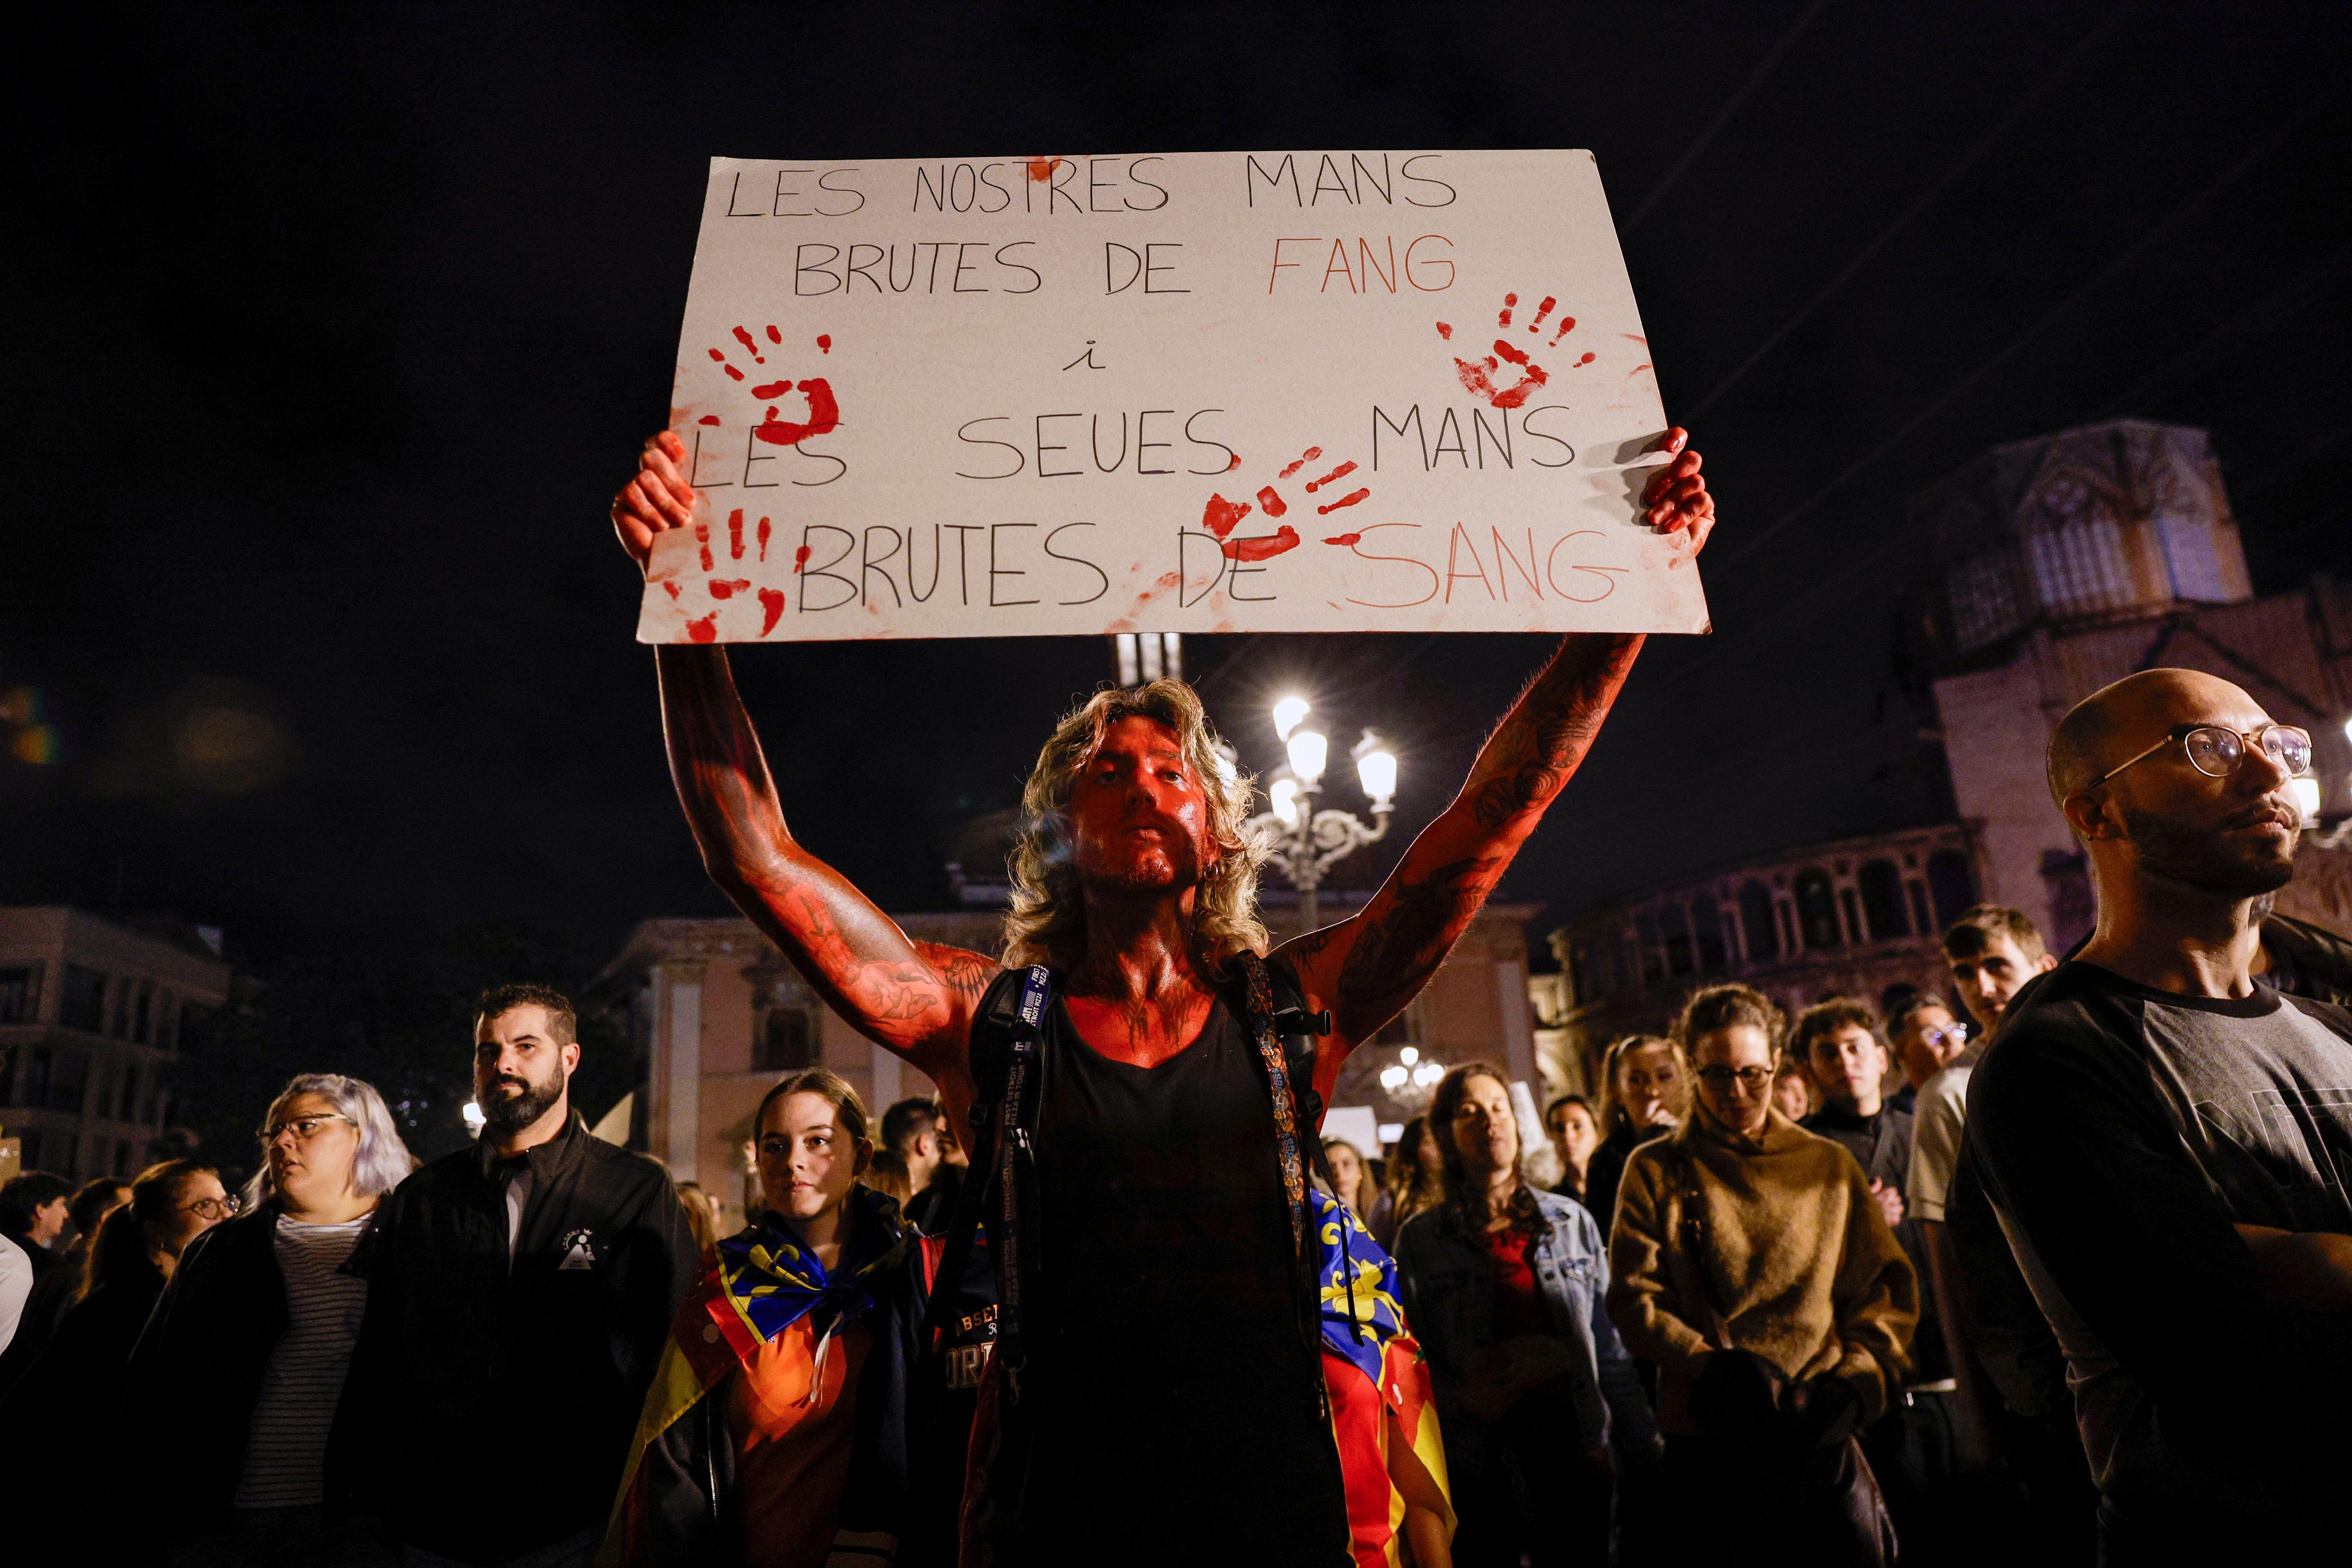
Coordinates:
244	1361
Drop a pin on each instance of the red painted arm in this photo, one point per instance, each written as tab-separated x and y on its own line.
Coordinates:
1367	967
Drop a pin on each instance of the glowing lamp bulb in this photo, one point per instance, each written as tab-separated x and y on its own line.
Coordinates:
1285	801
1392	1079
1288	715
474	1117
1410	1054
1376	771
1308	751
2306	796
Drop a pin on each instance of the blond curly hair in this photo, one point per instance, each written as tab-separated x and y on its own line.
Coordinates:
1047	922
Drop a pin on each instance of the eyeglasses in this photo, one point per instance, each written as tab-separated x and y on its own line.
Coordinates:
2216	750
1950	1035
304	1128
217	1208
1724	1077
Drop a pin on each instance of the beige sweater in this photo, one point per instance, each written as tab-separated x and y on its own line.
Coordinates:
1775	1247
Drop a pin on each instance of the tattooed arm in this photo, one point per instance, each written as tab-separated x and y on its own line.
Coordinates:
1367	967
914	998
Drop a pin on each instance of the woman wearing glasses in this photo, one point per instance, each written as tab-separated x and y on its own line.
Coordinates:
1751	1264
244	1361
70	1403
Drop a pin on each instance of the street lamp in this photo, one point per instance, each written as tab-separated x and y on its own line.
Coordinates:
1305	842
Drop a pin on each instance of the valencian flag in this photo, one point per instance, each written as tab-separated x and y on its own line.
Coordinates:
765	1282
1382	1412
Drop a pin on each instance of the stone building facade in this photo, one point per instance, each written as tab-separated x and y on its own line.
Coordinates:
91	1011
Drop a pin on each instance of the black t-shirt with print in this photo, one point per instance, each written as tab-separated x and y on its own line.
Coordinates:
2123	1133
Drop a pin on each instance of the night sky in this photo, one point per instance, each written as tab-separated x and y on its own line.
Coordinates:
329	337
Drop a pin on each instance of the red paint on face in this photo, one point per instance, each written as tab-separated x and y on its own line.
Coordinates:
1271	503
751	346
800	558
1342	473
1264	547
1445	331
772	609
1350	499
763	539
1220	515
735	533
1502	318
728	590
1137	815
824	415
704	629
708	419
702	537
1345	540
824	342
1304	458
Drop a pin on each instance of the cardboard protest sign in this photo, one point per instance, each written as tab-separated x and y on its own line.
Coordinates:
1204	392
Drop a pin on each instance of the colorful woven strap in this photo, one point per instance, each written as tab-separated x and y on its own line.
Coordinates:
1286	1104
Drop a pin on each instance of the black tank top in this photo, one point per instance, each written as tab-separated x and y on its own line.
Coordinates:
1169	1411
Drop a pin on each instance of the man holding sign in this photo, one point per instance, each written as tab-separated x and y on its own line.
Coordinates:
1156	1396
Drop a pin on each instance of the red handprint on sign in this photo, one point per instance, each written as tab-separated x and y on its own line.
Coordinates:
1220	516
823	413
1478	376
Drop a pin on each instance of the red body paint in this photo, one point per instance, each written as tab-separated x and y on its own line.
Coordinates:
1263	547
704	629
1304	458
1342	473
1271	503
1220	515
772	609
1350	499
825	414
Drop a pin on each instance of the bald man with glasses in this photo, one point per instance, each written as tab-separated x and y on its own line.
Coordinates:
2166	1138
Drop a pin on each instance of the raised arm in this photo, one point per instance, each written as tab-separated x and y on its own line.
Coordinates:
1367	967
914	998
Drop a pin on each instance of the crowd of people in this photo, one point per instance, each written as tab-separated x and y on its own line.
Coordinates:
2056	1265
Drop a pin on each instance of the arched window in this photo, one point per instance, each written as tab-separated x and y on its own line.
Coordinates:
1674	926
1882	900
1756	922
1817	918
1707	922
1950	884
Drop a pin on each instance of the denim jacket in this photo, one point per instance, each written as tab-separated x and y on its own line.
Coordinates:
1448	1276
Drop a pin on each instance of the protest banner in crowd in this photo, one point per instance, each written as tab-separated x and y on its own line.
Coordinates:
1207	392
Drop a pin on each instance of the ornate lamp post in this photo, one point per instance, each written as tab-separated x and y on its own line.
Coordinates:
1307	842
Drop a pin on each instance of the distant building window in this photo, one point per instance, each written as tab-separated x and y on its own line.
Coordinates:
1882	900
1756	925
83	1003
32	1087
121	1019
1984	603
1651	947
1817	920
20	994
1922	920
1706	919
1674	926
784	1042
1950	884
2191	560
29	1149
67	1079
127	1100
141	1011
167	1020
2079	567
122	1156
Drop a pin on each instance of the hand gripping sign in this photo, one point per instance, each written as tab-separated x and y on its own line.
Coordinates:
1207	392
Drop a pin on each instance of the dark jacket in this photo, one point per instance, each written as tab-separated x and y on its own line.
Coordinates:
1448	1276
69	1407
198	1369
490	1404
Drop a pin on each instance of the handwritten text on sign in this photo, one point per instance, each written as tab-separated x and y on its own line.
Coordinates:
1201	392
